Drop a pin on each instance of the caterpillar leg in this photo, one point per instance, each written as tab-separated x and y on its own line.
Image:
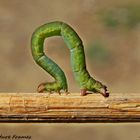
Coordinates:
41	87
104	91
66	91
59	92
63	91
51	87
83	92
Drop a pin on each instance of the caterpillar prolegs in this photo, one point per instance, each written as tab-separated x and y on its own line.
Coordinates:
77	55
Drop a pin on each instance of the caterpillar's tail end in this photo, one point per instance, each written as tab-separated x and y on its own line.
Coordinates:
104	91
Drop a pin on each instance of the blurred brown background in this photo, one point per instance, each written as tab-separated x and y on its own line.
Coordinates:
110	30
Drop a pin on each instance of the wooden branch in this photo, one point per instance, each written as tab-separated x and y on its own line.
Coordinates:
36	107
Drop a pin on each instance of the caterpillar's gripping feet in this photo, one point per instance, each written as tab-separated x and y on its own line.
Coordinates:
104	92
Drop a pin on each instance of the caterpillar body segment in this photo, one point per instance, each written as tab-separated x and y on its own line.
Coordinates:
77	56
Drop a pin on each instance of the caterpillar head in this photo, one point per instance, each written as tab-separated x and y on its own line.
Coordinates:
96	87
100	88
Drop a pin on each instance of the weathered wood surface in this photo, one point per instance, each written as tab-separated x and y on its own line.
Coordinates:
36	107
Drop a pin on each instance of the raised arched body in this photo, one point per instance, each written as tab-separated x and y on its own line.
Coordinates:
75	45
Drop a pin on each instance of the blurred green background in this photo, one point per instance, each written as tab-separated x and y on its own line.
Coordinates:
110	30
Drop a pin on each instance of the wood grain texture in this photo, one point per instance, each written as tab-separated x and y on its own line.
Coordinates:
41	107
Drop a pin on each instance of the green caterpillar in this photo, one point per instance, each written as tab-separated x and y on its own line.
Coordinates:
77	55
